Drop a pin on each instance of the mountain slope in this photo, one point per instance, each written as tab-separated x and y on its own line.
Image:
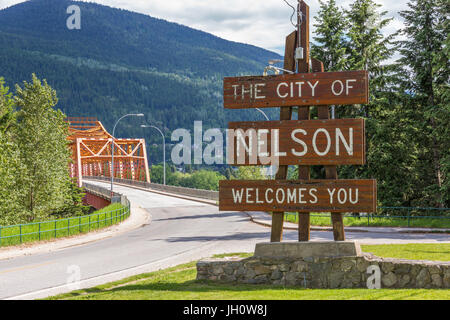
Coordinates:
122	62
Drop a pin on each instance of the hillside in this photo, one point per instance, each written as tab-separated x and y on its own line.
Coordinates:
122	62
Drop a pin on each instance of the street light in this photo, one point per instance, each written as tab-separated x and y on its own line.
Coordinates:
112	146
277	70
267	118
263	113
164	148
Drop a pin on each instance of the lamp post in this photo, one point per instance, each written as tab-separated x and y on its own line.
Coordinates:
267	118
263	113
112	146
164	149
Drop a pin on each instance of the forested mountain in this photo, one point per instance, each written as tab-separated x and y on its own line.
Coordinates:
121	61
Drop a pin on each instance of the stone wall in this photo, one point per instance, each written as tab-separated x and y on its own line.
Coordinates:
325	272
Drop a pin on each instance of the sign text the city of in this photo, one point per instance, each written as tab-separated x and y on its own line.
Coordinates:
307	89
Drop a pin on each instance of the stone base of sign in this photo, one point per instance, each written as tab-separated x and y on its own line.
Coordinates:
308	249
301	268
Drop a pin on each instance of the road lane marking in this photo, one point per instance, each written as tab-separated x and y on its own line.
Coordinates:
27	267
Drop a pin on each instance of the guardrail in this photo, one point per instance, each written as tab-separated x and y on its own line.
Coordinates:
196	193
105	193
45	230
409	218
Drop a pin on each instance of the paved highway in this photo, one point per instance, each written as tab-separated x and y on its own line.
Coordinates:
180	231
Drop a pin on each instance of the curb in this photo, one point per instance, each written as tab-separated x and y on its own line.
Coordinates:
329	229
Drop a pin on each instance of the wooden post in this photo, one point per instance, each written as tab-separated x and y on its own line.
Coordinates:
285	114
330	171
321	98
304	114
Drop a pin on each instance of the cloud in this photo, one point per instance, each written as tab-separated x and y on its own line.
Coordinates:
8	3
264	23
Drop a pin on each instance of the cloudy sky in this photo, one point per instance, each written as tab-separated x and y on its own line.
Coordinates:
263	23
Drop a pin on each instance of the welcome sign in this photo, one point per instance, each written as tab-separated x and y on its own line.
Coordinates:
299	195
304	142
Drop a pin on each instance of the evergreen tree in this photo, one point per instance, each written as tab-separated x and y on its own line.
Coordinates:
426	74
328	45
390	151
368	49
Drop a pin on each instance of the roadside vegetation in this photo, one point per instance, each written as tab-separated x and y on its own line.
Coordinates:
34	178
179	283
198	179
51	229
204	179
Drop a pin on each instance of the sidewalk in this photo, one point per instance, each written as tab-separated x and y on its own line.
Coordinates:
265	219
137	219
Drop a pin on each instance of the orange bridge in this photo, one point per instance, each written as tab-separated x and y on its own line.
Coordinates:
91	152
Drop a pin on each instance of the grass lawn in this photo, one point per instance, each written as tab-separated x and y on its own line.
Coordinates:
179	283
419	251
324	220
46	230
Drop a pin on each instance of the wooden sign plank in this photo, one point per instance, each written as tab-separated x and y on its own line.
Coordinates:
297	142
302	89
298	195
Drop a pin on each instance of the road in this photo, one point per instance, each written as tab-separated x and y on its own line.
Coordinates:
180	231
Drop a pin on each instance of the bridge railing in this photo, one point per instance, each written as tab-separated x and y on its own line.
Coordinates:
190	192
52	229
105	193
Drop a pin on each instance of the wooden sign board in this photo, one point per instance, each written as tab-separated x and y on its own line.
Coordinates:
302	89
297	142
298	195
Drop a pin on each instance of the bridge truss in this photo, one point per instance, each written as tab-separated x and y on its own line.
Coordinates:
90	144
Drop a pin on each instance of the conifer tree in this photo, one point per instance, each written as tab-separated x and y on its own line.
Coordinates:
369	49
388	146
328	45
426	73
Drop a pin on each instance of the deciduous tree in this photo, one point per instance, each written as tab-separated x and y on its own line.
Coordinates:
41	137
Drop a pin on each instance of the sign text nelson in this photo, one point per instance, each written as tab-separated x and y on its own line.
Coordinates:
297	142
